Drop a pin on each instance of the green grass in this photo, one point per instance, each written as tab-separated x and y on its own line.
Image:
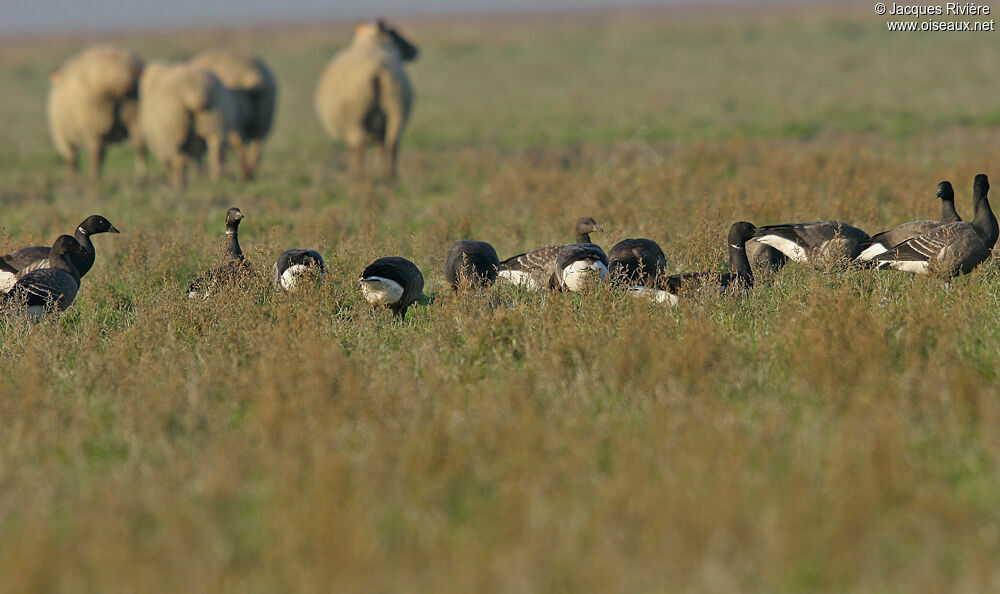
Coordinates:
830	432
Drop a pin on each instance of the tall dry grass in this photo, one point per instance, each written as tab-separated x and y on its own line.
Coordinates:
832	432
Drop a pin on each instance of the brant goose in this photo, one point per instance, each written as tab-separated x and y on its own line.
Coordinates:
884	241
234	267
669	289
295	264
394	282
476	261
550	266
636	262
764	259
55	286
27	259
952	249
822	240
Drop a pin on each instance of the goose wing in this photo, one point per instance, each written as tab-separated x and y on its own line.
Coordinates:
41	287
27	257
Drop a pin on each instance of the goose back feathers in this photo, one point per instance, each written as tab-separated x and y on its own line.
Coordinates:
764	259
293	265
475	261
234	267
392	282
822	240
952	249
52	287
27	259
886	240
636	262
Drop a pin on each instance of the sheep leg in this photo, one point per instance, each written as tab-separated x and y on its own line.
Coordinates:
97	152
214	157
73	159
253	158
387	155
140	156
358	161
177	166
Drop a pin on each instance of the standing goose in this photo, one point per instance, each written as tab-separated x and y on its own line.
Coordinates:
234	266
884	241
537	269
55	286
952	249
636	262
294	264
669	289
823	240
27	259
476	261
393	282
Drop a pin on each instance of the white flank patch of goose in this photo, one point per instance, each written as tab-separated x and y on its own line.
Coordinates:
392	282
52	288
822	240
295	265
882	242
671	289
636	262
952	249
550	266
764	259
475	261
234	267
27	259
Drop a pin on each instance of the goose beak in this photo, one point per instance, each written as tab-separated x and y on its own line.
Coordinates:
599	228
113	229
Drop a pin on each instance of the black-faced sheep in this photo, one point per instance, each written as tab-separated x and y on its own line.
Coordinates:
93	103
364	95
255	94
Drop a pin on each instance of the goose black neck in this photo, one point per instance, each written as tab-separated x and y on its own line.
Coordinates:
948	212
63	262
583	237
232	242
985	221
739	263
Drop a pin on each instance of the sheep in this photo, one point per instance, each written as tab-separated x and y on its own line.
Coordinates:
184	111
364	94
92	103
255	94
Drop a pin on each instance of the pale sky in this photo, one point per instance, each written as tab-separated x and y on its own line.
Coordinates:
55	16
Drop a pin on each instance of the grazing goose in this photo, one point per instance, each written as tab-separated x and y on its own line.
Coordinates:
476	261
952	249
636	262
393	282
294	264
233	268
669	289
27	259
823	240
764	259
536	270
55	286
884	241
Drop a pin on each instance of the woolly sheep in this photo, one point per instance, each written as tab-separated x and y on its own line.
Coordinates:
93	103
364	95
254	92
184	111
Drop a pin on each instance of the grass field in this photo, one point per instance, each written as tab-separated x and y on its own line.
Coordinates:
830	432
